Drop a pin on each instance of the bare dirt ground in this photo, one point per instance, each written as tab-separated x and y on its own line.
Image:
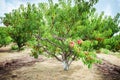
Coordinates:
20	66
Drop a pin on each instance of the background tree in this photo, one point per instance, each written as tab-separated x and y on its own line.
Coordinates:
22	22
100	28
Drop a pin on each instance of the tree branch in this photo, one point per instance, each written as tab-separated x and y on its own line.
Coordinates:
57	58
72	60
52	54
70	53
58	38
49	41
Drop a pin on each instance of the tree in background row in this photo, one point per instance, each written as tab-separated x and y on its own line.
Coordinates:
22	22
102	29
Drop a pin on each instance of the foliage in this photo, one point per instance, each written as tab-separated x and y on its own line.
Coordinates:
14	47
5	39
22	23
100	28
106	51
113	43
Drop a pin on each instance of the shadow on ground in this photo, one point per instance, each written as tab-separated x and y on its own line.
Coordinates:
4	50
7	67
109	71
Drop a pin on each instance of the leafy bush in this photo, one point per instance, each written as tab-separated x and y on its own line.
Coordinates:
106	51
14	47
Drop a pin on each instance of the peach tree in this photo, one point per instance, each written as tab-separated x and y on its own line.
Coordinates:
21	22
58	34
103	29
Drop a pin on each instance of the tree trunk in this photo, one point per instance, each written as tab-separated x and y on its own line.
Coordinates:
65	65
19	46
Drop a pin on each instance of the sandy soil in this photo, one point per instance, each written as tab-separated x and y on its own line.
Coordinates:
110	58
20	66
51	69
